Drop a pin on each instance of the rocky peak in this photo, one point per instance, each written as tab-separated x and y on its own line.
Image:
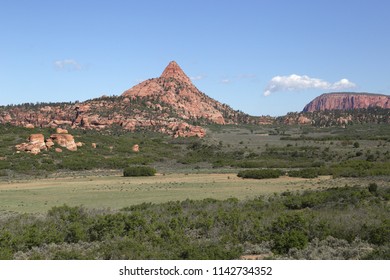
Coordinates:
173	70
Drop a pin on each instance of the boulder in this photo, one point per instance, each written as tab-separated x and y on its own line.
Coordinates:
49	143
61	131
135	148
65	140
36	143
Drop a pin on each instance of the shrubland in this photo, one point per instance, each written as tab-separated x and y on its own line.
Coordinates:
336	223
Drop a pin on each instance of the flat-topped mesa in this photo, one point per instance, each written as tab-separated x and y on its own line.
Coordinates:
347	101
173	70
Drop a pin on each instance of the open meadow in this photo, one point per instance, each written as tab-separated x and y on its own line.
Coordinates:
116	191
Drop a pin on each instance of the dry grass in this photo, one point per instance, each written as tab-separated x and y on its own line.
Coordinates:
116	192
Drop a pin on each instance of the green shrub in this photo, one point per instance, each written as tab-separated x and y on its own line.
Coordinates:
304	173
373	188
134	171
260	173
289	231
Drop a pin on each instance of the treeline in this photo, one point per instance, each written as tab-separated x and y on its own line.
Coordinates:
337	223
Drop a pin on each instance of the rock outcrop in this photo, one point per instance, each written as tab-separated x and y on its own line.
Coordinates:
36	143
65	140
347	101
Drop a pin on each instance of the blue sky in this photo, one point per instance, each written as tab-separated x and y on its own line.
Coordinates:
262	57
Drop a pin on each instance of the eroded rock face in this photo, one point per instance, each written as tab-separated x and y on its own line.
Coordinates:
347	101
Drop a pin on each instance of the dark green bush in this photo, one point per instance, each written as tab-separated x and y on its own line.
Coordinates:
134	171
260	173
289	231
304	173
373	188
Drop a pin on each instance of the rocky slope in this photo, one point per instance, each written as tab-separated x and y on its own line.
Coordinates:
347	101
169	104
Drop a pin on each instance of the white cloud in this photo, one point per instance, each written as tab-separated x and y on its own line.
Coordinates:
67	64
225	81
296	83
197	78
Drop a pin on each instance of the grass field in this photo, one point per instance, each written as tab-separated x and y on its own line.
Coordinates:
116	191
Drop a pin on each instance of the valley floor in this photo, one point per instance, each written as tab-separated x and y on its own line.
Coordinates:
115	191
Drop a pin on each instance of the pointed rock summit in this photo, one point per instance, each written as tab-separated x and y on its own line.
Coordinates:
173	70
175	90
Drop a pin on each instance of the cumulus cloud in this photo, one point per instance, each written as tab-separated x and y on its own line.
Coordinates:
67	64
296	83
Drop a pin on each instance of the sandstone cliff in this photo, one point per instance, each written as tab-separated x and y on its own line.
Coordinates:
347	101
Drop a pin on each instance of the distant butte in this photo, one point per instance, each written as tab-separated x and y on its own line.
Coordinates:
347	101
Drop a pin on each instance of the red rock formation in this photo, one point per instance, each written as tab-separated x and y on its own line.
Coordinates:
29	125
65	140
61	131
36	143
175	88
347	101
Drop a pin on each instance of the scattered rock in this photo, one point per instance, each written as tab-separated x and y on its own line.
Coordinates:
94	145
29	125
58	150
61	131
304	120
135	148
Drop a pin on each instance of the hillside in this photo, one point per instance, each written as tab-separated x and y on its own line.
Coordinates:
347	101
169	104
